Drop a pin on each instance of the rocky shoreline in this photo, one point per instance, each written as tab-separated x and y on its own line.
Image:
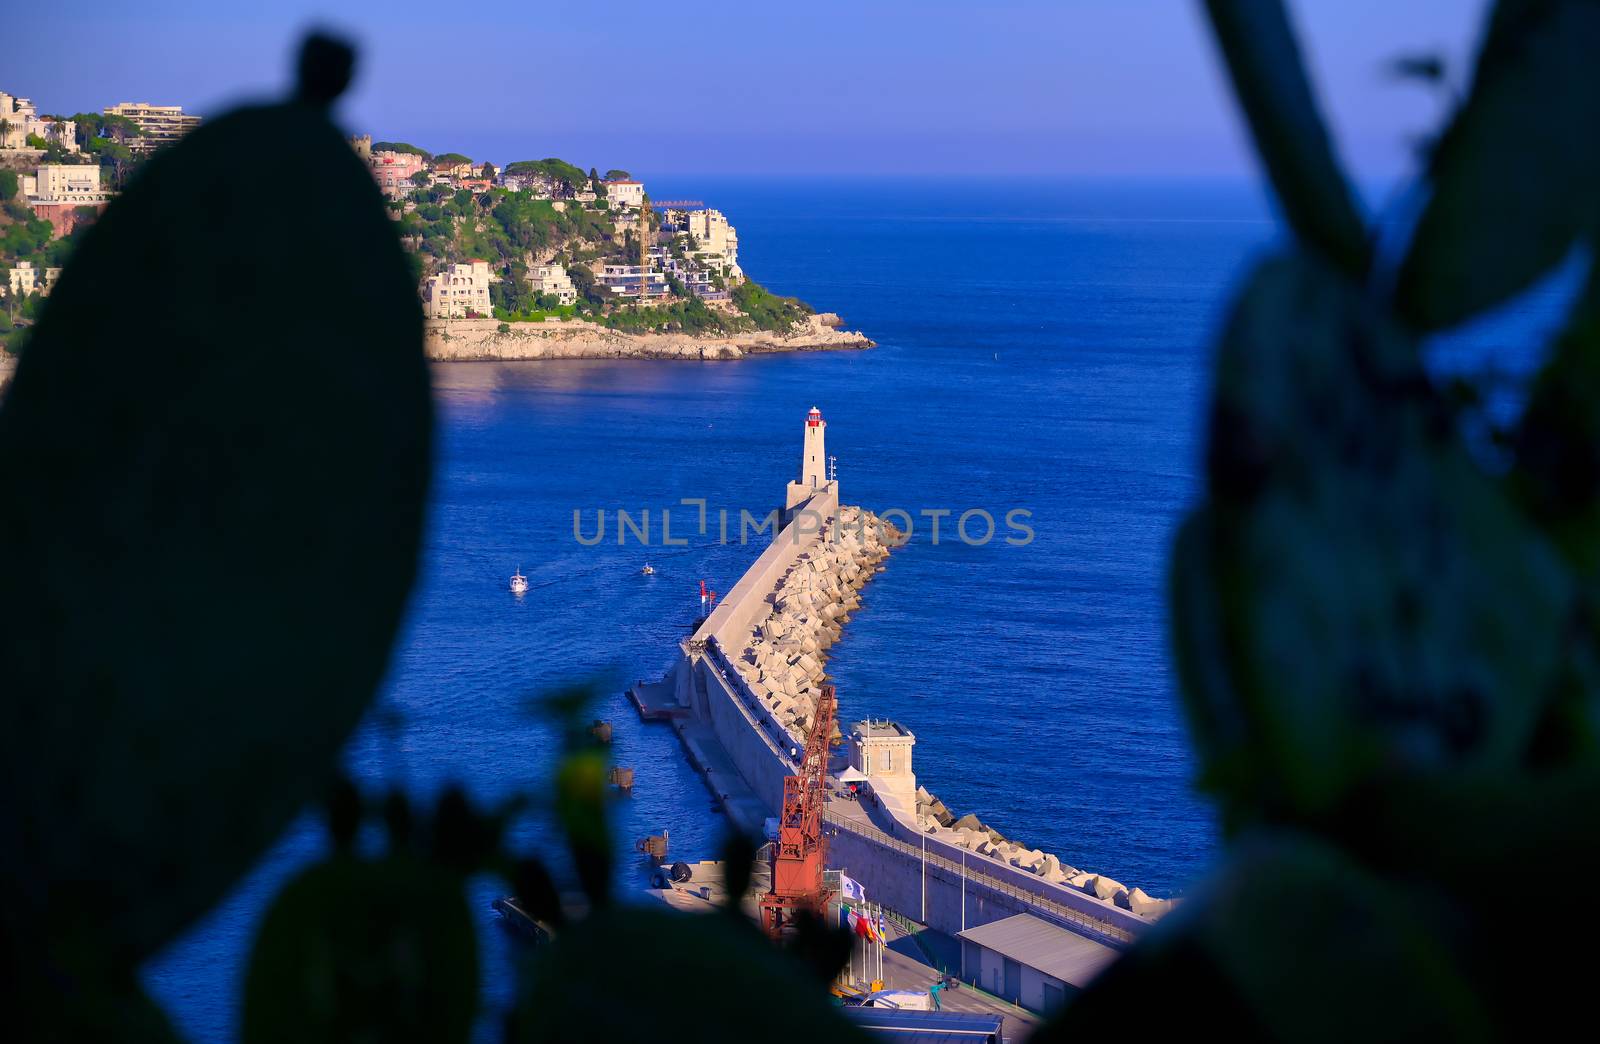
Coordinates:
783	664
478	340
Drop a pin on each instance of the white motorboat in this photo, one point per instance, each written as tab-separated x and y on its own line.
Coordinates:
648	570
519	583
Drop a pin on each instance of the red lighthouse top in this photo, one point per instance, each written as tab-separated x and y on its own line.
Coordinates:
813	418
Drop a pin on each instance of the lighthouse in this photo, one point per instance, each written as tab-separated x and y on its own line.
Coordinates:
813	461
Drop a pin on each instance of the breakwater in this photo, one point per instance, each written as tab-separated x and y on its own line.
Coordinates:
743	694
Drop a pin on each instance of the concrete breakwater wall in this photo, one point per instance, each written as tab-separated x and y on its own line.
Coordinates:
753	669
950	893
448	340
743	696
780	643
971	835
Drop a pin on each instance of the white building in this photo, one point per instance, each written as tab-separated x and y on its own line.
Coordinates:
66	183
25	280
625	193
714	236
623	280
553	280
161	124
19	118
459	292
1031	962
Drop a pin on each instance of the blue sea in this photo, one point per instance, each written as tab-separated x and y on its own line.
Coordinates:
1043	347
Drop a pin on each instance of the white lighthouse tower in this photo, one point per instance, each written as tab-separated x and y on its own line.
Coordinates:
813	461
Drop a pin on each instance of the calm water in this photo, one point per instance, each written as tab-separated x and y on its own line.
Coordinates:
1043	346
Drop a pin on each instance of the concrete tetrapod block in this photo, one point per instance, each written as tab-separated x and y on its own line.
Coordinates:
972	823
1028	859
1102	887
1144	905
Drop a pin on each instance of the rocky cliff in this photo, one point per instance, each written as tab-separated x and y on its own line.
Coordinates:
479	339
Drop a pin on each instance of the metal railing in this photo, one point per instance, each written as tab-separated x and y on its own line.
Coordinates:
1049	908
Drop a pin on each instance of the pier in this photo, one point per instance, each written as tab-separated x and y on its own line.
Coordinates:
739	697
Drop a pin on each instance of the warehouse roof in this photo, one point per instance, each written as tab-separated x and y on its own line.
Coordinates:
1039	944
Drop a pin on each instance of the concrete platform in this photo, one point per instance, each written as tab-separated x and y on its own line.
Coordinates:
732	794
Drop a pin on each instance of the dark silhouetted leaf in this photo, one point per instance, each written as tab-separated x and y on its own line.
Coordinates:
1263	59
1383	604
358	950
1514	175
581	809
1429	68
653	974
215	455
1257	949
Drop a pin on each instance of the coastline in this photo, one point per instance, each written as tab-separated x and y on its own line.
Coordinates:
478	340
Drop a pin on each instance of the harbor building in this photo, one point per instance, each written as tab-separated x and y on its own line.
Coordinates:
1031	962
881	751
459	292
553	281
161	124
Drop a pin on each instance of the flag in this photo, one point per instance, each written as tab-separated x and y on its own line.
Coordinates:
850	888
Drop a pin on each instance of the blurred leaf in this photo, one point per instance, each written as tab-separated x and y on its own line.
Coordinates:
738	862
1429	68
1557	441
216	466
1258	44
365	950
653	974
1214	710
580	807
536	889
1290	940
1514	175
45	1002
1384	607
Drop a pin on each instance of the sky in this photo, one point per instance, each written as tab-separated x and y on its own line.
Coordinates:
870	87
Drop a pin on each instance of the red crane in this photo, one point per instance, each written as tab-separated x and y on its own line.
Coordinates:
798	855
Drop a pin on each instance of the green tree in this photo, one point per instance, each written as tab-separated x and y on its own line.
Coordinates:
618	175
8	184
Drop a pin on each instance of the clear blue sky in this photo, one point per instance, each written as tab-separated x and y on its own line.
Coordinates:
1090	87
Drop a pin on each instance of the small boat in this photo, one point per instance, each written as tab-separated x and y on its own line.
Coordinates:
648	570
519	583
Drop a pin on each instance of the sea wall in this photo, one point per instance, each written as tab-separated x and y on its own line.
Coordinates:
449	340
935	886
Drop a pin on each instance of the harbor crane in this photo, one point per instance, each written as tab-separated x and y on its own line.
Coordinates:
801	850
